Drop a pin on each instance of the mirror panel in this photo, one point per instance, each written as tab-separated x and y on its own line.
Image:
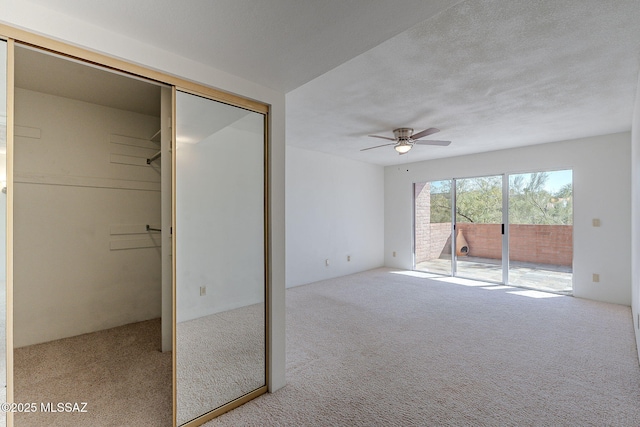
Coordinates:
3	222
220	255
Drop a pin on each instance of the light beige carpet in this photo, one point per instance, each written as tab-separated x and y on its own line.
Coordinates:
126	381
377	349
119	372
385	349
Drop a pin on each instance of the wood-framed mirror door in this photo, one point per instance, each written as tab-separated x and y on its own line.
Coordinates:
220	255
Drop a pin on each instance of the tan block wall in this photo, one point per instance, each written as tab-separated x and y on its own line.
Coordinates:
483	240
544	244
540	244
431	240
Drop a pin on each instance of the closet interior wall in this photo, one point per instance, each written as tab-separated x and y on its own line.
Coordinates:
84	195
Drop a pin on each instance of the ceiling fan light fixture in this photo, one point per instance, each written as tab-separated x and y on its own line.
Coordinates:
403	147
405	139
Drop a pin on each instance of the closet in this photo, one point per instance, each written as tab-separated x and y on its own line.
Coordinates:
88	242
138	241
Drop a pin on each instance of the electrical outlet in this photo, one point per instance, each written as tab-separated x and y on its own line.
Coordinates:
394	254
326	262
203	291
348	258
596	277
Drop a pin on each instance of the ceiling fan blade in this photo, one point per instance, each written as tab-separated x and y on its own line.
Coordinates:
442	143
424	133
378	146
383	137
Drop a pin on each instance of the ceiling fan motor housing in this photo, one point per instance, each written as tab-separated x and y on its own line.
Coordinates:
403	134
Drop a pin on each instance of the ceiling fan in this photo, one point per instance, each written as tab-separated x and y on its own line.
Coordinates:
405	139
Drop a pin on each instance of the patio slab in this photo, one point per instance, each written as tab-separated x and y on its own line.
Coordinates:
543	277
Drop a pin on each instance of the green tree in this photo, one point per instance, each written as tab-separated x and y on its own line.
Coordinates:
441	202
479	200
531	203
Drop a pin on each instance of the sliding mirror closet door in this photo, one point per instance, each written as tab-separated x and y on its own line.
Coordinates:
87	253
220	257
3	223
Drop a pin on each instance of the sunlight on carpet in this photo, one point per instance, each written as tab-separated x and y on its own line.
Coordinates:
461	281
535	294
380	348
419	274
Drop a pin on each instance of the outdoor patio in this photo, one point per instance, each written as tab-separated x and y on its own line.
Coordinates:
542	277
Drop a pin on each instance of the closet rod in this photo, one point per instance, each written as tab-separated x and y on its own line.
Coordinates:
152	158
149	228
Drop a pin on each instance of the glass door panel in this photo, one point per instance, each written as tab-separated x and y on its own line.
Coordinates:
541	230
433	226
478	238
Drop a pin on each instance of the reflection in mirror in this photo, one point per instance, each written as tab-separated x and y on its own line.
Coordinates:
3	228
87	273
220	258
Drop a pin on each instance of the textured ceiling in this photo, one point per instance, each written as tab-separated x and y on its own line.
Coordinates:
280	44
491	74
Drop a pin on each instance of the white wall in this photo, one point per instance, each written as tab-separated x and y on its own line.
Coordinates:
73	204
602	189
335	209
32	17
635	215
219	213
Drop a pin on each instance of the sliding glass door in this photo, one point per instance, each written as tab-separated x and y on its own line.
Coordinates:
432	218
541	230
534	251
478	228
